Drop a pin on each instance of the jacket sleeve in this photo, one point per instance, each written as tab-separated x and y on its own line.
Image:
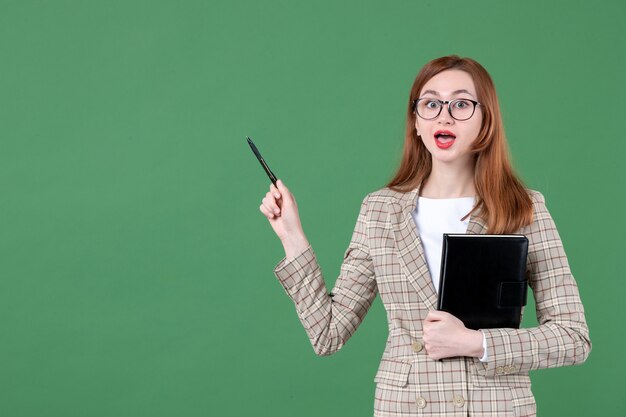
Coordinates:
330	319
562	337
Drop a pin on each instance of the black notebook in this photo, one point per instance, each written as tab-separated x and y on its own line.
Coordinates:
483	279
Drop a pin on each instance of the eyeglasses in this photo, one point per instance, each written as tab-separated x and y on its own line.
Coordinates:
430	108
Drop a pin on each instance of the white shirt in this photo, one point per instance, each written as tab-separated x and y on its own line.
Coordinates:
434	217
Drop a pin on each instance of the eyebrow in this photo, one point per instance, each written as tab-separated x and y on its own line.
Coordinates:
453	93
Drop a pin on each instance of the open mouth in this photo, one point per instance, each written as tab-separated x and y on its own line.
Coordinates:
444	138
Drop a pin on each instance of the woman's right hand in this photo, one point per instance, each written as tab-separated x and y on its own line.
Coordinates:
280	208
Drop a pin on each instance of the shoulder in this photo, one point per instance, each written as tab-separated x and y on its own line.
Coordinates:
375	205
535	196
542	220
539	203
384	195
379	199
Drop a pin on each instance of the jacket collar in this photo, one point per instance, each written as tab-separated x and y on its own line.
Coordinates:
409	245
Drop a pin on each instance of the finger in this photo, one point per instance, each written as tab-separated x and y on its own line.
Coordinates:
430	329
436	315
431	317
271	204
427	325
445	317
275	192
266	212
431	352
282	188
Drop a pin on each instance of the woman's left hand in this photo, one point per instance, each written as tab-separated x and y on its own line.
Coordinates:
446	336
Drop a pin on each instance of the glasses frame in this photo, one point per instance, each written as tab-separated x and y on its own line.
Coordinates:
444	102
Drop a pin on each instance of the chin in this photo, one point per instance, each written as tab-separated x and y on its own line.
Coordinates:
446	155
451	157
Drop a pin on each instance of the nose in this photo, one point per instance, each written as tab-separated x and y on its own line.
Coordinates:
445	117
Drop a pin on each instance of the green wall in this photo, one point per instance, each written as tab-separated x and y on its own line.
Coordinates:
135	266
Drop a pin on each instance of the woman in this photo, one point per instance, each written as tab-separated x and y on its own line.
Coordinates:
455	176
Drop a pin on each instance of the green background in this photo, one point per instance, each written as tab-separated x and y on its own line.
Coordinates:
135	266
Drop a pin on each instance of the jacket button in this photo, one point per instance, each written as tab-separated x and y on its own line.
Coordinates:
510	369
458	401
420	402
417	346
500	370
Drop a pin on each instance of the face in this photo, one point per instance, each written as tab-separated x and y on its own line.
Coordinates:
449	140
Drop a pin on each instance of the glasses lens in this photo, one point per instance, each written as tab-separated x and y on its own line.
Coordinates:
462	109
428	109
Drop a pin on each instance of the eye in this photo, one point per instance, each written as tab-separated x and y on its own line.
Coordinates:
462	104
432	104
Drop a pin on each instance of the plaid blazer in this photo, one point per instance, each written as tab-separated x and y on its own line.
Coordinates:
385	256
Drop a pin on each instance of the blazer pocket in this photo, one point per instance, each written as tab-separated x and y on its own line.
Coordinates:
508	381
393	372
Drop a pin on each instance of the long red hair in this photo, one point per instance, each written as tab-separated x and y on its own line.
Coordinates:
502	200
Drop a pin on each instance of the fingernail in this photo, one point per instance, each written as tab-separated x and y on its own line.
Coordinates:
277	195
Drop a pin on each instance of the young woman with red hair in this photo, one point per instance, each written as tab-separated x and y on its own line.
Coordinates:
455	177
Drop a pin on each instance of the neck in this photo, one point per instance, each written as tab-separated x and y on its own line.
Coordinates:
449	181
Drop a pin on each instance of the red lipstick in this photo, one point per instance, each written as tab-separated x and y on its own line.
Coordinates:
444	139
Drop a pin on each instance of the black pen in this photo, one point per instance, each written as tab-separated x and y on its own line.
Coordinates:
262	161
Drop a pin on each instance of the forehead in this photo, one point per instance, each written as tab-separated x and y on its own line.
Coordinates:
447	82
